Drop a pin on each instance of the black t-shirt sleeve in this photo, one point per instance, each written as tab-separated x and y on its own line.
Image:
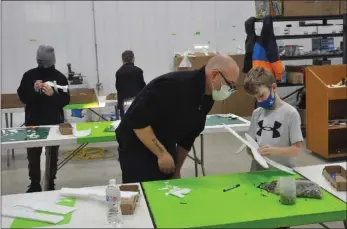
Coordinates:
161	95
188	141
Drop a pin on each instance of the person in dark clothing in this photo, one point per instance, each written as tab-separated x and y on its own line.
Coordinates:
129	80
249	44
43	106
161	125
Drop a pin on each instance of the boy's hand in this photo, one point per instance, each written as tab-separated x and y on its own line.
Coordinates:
249	151
268	150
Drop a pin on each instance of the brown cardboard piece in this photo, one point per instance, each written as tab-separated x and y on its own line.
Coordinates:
343	6
310	7
112	96
128	206
65	128
10	101
340	181
83	96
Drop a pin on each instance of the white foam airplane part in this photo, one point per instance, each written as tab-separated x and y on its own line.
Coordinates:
56	86
253	145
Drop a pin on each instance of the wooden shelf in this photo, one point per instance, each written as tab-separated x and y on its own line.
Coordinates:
337	155
337	127
324	103
336	93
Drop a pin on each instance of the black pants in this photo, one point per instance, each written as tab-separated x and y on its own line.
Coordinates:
138	164
34	158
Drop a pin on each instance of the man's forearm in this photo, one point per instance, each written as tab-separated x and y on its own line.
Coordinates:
181	156
148	138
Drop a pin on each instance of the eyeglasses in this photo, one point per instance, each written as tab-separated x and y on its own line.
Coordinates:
231	85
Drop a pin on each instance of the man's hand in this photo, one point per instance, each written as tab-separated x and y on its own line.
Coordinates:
38	85
268	150
166	163
48	90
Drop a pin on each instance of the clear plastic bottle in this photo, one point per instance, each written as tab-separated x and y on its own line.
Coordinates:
287	188
113	198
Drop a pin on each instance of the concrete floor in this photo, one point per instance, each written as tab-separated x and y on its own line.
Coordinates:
219	159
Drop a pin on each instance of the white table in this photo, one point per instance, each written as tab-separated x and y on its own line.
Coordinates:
55	138
89	213
101	99
314	173
102	102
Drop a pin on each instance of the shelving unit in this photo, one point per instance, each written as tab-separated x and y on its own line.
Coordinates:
324	20
326	103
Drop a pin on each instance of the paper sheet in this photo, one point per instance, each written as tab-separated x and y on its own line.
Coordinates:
55	86
31	215
81	133
268	160
43	206
185	63
254	150
99	194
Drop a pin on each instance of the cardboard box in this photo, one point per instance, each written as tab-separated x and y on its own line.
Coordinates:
65	128
311	7
295	77
268	7
112	96
128	206
83	96
337	176
10	101
343	6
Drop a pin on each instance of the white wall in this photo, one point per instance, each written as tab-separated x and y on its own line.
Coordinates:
145	27
66	25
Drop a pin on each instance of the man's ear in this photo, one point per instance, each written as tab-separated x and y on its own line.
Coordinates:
214	74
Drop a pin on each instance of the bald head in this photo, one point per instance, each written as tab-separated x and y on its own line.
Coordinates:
221	69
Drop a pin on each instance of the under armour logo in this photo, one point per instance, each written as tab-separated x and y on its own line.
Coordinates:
274	129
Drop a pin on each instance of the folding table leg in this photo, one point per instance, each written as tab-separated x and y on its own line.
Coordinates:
11	124
8	151
47	171
345	223
195	159
202	154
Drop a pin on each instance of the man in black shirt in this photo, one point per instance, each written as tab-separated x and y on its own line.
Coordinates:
43	106
129	80
161	125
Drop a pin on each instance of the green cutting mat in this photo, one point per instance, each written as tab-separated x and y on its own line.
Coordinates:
216	120
98	132
244	207
9	135
82	106
24	223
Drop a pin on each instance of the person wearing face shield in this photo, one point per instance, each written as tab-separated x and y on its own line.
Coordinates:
275	124
43	106
161	125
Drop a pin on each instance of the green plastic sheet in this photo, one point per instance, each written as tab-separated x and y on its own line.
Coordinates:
244	207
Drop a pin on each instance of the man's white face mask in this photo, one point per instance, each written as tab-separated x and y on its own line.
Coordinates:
224	92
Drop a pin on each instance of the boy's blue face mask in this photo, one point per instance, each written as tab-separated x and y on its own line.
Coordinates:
268	103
